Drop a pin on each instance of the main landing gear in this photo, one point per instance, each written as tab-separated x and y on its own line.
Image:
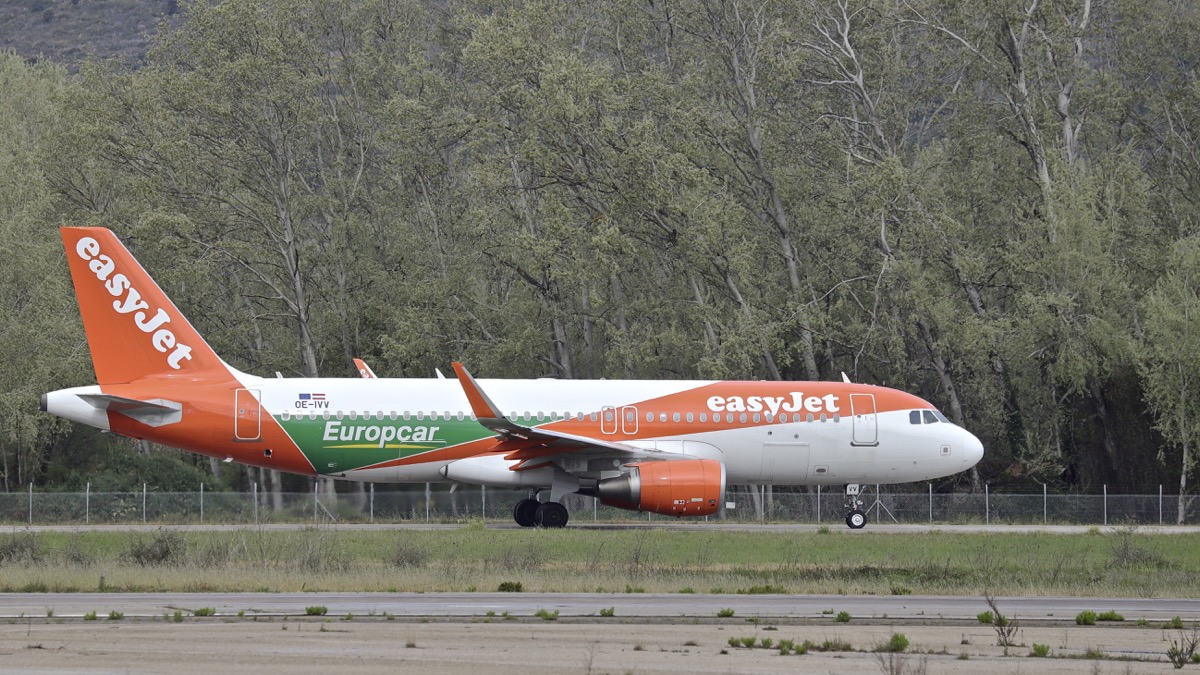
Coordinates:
529	512
855	518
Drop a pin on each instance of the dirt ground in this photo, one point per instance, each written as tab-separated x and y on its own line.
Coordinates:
373	644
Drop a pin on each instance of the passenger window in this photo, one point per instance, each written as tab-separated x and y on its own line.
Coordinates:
649	417
742	418
703	417
691	417
675	417
914	417
929	418
662	417
757	417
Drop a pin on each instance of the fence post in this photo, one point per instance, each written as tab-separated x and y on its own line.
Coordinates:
1106	503
314	501
254	496
987	505
428	496
202	503
143	503
483	501
1160	503
30	502
372	487
931	503
87	505
818	504
1045	510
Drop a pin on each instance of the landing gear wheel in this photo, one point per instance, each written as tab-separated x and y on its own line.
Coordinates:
525	512
856	519
551	514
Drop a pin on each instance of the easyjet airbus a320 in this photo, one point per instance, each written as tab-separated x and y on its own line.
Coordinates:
670	447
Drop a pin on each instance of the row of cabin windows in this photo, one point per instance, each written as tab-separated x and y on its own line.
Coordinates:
630	416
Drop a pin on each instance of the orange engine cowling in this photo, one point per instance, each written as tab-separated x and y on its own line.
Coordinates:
689	487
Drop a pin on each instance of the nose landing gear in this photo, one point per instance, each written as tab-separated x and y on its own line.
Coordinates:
855	518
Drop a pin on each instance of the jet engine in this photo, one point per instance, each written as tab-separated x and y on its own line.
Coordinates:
690	487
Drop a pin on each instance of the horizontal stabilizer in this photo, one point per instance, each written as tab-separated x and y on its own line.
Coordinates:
154	412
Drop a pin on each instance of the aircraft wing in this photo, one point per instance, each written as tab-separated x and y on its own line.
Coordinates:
527	443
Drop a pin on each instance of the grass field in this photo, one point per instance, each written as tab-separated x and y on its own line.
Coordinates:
1124	563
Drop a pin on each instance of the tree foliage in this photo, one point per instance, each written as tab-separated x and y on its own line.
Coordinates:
994	207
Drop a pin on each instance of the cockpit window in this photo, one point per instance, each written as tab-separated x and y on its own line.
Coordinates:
914	417
929	417
940	416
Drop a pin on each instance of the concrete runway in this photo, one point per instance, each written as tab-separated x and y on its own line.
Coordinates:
635	606
671	525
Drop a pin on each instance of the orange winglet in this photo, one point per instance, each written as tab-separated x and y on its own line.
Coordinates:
481	406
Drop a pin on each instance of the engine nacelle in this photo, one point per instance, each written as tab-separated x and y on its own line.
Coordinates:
690	487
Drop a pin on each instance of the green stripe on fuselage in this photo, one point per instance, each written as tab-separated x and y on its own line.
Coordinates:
334	445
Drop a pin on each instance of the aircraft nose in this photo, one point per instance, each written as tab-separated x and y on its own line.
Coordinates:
972	449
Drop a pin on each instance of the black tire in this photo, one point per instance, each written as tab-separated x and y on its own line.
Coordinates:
552	514
856	519
525	512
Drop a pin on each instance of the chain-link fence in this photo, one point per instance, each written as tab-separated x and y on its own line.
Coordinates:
746	503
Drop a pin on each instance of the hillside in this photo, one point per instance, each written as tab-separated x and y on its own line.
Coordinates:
69	31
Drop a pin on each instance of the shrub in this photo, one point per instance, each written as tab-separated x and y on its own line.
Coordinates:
164	547
763	589
178	617
205	611
735	642
20	548
802	648
407	555
986	618
785	646
90	616
842	617
316	610
895	644
1175	623
748	641
546	615
1086	618
1040	651
607	611
115	615
766	643
725	613
1110	615
510	587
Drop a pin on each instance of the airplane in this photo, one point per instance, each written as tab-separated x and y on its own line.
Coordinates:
668	447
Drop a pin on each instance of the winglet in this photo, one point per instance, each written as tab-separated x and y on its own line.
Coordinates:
481	405
364	371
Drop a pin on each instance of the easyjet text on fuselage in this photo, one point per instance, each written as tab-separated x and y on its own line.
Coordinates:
795	402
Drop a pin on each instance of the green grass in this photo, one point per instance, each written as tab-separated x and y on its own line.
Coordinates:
1120	564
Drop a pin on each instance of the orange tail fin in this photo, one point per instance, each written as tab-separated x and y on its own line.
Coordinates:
133	328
